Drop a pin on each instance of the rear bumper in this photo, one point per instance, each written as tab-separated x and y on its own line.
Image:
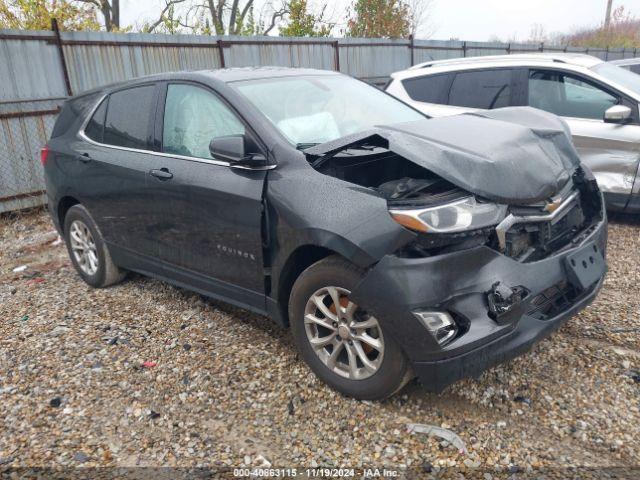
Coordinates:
458	283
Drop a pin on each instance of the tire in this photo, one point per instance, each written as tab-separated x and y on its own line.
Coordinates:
316	284
95	267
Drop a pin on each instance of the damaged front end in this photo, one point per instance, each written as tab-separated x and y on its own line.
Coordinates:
509	235
447	217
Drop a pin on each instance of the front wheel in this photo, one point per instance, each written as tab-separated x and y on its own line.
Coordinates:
344	344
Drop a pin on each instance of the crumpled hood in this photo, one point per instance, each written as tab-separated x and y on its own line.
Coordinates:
514	155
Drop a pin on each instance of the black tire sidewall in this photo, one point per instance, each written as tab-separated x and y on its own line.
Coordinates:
339	273
78	212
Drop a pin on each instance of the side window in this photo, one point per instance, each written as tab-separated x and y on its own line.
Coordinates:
194	116
430	89
485	89
95	127
129	117
568	95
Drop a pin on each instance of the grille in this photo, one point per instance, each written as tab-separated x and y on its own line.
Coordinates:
528	242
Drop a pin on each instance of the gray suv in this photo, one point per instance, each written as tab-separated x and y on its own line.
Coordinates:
391	244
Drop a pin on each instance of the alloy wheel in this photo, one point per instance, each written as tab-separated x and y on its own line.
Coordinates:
83	247
347	339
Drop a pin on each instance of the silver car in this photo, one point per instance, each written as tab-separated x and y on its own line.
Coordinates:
598	100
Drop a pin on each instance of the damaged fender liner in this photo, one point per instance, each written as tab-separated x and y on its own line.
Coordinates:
516	155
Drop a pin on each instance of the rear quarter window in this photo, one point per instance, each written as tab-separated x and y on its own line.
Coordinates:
95	127
430	88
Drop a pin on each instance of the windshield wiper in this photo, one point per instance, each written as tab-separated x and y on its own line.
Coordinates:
357	146
304	146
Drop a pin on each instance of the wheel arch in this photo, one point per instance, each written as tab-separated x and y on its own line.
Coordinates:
63	207
297	262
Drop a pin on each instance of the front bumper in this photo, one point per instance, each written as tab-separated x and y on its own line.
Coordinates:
458	283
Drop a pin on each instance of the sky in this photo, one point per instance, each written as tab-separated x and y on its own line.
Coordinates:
479	20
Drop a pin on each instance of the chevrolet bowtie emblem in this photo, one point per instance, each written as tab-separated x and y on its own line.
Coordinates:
552	206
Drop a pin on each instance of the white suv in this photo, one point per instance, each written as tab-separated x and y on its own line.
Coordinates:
598	100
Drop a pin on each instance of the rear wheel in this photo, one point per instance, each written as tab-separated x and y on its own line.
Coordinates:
88	251
343	343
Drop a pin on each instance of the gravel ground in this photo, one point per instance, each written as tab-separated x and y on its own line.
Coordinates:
145	374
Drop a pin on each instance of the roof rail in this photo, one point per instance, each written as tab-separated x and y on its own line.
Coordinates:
548	56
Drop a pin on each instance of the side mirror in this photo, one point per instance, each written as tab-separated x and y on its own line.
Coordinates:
229	148
232	149
617	114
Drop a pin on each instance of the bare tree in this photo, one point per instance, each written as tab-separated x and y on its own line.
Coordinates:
275	17
420	12
167	19
537	34
110	10
233	17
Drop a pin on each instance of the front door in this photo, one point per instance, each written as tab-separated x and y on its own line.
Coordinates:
611	150
207	216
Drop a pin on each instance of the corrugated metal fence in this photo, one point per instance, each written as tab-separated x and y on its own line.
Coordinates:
38	70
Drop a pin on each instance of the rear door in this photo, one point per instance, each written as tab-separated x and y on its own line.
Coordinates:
611	150
428	93
205	218
113	161
463	91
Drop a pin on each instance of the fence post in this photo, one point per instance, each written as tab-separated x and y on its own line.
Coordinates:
606	53
542	46
336	50
464	48
509	48
411	49
221	52
63	62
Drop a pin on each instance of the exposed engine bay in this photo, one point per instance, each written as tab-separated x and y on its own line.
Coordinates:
406	185
400	181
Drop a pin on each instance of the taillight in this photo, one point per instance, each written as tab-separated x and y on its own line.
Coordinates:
44	153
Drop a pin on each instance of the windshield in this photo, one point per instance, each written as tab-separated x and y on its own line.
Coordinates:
316	109
621	76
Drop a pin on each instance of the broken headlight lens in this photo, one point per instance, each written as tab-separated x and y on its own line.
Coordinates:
458	216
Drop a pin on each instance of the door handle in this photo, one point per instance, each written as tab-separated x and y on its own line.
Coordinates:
84	158
161	174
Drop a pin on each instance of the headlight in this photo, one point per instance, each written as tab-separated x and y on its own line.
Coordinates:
458	216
